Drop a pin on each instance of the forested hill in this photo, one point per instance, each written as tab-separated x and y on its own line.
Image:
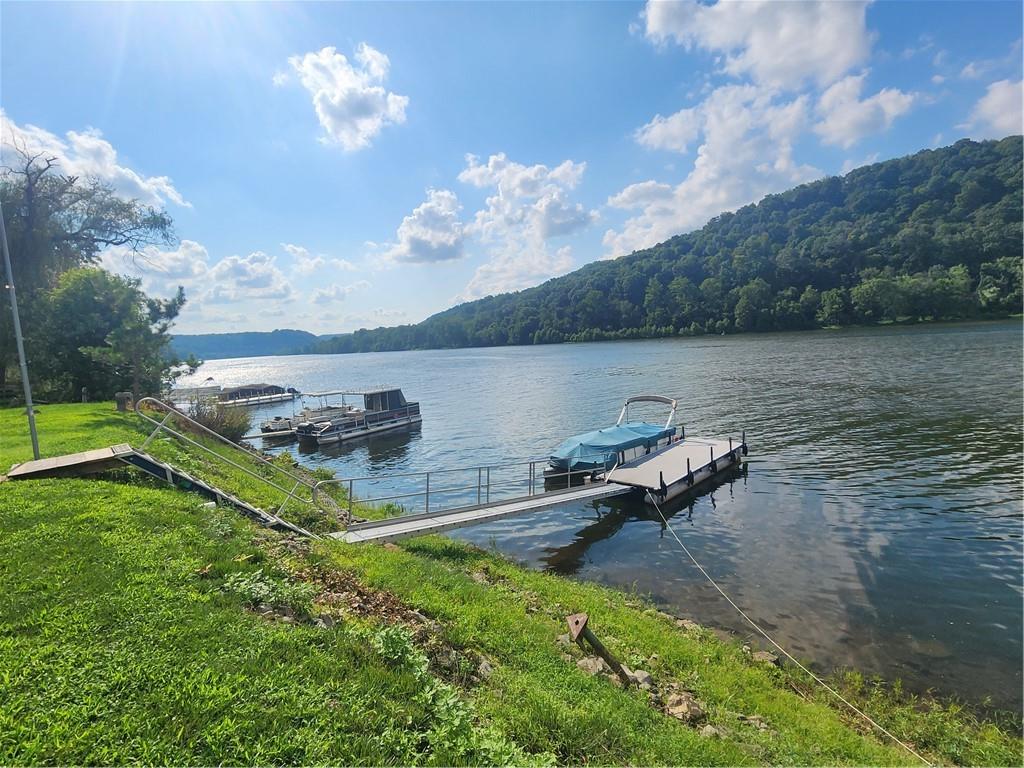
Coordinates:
208	346
935	235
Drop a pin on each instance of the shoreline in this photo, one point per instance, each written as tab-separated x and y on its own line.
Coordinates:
467	606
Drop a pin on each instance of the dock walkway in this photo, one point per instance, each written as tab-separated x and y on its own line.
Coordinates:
436	522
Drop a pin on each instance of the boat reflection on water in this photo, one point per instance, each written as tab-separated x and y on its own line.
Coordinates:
614	513
380	448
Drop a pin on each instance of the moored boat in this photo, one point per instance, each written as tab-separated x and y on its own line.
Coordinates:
324	412
593	453
255	394
384	408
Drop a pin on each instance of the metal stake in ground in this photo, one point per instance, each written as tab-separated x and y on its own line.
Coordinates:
18	339
578	627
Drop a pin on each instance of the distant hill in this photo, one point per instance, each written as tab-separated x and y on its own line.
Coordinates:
210	346
935	235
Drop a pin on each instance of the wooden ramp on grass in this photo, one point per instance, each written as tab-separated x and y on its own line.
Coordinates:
72	464
102	459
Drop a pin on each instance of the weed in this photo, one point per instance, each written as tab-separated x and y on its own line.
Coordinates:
256	587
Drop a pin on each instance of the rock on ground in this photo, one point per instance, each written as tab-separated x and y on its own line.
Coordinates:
765	658
593	665
684	706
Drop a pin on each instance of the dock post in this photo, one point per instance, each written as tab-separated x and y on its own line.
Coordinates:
689	472
744	440
714	464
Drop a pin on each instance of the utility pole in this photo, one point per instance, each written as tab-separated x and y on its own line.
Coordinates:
17	337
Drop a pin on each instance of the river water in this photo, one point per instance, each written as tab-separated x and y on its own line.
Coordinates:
877	524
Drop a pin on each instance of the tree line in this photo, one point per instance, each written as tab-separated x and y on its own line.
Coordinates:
932	236
85	328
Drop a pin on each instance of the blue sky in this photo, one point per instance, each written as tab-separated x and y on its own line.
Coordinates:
333	166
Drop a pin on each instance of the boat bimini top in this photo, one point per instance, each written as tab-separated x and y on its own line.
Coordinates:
624	415
600	449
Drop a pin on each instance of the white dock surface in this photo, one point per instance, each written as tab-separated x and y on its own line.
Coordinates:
670	463
418	525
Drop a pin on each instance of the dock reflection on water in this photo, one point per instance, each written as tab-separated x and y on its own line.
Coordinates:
614	513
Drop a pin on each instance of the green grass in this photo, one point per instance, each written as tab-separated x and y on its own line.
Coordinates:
77	427
127	634
114	649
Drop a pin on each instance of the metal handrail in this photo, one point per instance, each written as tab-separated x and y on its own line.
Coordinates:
174	412
483	486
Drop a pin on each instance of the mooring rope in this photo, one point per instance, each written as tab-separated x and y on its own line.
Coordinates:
769	638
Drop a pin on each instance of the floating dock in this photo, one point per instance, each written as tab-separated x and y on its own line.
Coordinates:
677	468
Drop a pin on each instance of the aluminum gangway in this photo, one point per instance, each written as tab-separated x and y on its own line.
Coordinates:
436	522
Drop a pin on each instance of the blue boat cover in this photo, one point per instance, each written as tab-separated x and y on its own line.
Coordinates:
599	449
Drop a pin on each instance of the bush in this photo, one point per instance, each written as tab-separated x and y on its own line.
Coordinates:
231	423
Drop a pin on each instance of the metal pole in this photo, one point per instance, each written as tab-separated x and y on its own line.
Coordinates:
17	337
427	509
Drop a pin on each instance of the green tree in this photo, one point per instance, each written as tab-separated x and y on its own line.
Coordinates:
55	223
657	304
999	287
105	334
878	298
835	307
753	307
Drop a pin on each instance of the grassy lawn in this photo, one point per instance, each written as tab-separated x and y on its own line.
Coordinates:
137	625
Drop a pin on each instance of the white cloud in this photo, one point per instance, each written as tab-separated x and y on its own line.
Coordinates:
782	44
640	195
305	263
161	271
850	163
87	153
373	318
334	292
350	101
976	69
938	79
514	268
238	278
746	151
846	118
675	132
530	206
432	232
998	113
